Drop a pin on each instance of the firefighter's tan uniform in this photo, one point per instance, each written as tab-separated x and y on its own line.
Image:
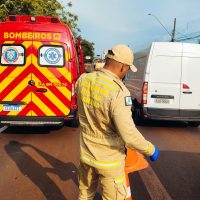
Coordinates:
106	127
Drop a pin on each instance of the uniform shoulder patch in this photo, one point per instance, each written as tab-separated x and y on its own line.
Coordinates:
128	101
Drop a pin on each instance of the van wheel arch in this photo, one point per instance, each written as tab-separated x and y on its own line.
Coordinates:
137	113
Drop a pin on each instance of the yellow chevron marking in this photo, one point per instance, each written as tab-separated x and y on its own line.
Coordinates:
42	106
18	88
2	69
26	99
37	44
65	73
54	99
67	56
15	73
1	107
27	44
50	75
13	113
55	43
31	113
9	42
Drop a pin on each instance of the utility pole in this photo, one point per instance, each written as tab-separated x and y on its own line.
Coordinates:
173	34
174	31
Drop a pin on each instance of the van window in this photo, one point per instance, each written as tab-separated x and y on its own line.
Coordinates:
51	56
12	55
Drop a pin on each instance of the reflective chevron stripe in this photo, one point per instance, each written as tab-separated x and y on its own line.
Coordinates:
99	164
14	84
120	180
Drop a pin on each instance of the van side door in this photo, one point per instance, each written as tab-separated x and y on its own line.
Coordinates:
190	80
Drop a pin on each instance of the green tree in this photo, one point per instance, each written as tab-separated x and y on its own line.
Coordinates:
88	49
46	8
39	7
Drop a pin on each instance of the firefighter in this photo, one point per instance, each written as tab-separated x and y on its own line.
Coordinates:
107	127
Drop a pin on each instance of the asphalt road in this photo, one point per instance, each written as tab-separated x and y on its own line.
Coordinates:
41	163
178	167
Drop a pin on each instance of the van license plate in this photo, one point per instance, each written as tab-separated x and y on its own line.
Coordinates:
8	107
165	101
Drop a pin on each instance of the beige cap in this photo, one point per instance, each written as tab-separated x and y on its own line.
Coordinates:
122	54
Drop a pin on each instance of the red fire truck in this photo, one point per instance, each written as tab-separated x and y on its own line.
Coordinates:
40	62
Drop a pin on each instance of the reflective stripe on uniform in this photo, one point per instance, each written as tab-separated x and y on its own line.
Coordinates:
99	164
119	180
104	81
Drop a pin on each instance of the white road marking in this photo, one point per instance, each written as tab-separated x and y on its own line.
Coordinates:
153	185
3	128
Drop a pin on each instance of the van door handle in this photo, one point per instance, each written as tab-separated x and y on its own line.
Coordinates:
189	92
31	83
43	90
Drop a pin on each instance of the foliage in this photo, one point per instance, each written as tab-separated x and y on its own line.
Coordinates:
46	8
39	7
88	49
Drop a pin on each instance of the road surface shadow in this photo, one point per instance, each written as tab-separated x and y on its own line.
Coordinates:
177	171
38	174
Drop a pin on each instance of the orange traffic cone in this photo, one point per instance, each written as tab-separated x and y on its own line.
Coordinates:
134	162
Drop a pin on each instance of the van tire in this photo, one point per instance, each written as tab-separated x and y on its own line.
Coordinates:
137	116
194	124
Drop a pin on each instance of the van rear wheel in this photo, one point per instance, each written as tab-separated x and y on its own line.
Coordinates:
193	124
137	116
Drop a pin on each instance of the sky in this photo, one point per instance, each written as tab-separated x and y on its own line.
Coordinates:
111	22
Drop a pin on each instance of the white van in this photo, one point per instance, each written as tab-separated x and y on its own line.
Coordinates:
167	83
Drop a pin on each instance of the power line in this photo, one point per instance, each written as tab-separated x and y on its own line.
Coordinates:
183	35
172	35
160	23
189	38
189	35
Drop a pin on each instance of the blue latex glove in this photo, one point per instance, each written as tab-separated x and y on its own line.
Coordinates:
155	154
